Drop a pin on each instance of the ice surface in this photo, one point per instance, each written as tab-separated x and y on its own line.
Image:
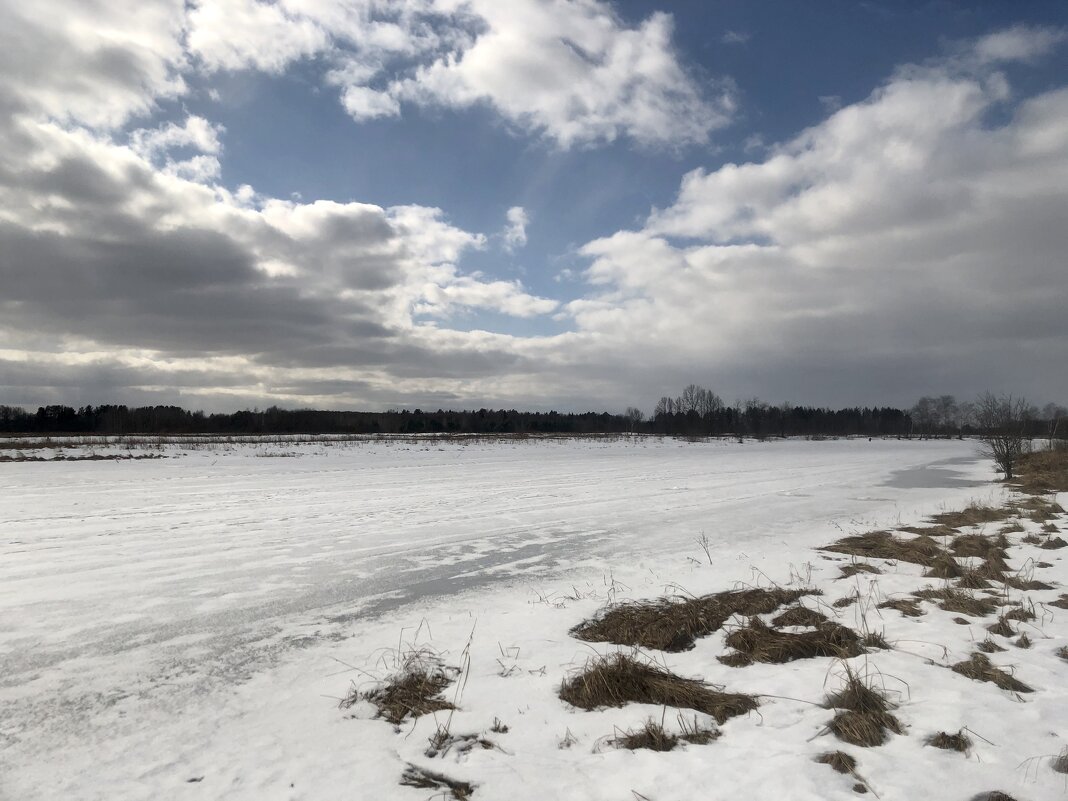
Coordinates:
182	618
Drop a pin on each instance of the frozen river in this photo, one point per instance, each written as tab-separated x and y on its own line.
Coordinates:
142	583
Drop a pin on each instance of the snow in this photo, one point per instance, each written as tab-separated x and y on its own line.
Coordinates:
184	627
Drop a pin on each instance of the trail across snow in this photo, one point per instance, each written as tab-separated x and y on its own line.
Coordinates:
171	628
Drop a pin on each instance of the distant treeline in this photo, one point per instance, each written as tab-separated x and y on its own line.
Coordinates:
122	420
696	412
751	420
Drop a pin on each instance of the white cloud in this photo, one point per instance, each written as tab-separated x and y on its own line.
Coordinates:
95	64
568	70
903	230
735	37
515	232
238	34
1019	43
196	132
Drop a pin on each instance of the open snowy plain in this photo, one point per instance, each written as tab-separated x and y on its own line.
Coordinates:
185	627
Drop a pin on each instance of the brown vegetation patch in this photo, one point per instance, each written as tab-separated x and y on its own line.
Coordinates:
1002	628
1021	613
799	616
1049	528
962	602
950	742
839	761
943	566
851	570
979	668
760	643
1018	583
1012	528
864	729
412	691
980	546
903	605
1062	652
930	531
920	550
1023	642
618	679
673	625
1060	603
654	737
1032	539
973	580
1043	471
874	639
1054	543
988	646
429	780
973	515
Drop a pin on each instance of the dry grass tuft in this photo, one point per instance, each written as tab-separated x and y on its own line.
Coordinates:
959	601
651	736
1053	544
1023	642
412	691
618	679
799	616
839	761
973	580
1015	527
1049	528
994	795
930	531
1032	539
979	546
863	716
905	606
874	640
428	780
1020	612
1002	628
944	566
850	570
847	600
974	515
1060	603
667	624
988	646
655	737
866	730
1043	471
920	550
760	643
951	742
1062	652
979	668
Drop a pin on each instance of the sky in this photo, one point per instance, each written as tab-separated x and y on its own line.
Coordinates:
535	204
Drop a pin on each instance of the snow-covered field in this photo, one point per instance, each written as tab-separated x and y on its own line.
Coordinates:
183	628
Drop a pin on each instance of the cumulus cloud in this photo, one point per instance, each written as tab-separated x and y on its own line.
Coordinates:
515	232
911	240
128	258
569	70
904	239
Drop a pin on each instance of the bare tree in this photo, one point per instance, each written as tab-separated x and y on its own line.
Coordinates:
1002	423
634	416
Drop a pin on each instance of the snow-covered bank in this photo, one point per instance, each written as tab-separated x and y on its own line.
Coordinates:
183	619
